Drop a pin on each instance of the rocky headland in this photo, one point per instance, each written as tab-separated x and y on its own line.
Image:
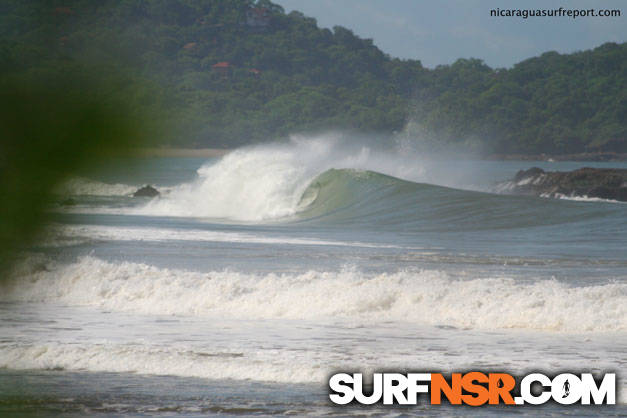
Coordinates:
602	183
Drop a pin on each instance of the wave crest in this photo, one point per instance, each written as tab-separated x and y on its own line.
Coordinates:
81	186
269	181
427	297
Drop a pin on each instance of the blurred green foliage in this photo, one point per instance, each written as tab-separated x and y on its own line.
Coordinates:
58	115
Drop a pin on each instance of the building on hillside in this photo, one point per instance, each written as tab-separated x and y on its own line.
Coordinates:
223	67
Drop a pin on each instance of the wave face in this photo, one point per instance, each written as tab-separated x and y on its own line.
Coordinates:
425	297
366	198
269	181
323	180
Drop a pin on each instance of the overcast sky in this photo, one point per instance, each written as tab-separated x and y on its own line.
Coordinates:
439	32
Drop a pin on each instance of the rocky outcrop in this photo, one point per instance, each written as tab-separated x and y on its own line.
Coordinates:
603	183
146	191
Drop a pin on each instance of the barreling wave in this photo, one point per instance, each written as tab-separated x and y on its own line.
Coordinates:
425	297
259	183
320	181
367	198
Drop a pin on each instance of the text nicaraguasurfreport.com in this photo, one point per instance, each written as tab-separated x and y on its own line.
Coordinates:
561	12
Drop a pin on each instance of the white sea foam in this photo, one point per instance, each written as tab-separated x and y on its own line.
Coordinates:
267	182
86	187
160	360
291	362
426	297
282	351
62	235
583	198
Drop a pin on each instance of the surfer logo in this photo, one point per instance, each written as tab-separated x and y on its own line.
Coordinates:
473	388
566	389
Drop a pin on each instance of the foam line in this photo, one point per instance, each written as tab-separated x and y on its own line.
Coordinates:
427	297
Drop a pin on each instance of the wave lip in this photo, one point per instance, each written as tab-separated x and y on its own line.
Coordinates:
245	185
269	182
427	297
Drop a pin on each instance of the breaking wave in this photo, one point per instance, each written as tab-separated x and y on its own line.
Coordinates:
425	297
269	181
81	186
324	181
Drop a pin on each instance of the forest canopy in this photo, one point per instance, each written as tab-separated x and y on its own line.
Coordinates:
232	72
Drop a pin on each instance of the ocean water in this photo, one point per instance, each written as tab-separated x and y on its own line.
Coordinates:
258	274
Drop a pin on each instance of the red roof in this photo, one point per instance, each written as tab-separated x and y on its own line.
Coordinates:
223	64
255	71
190	45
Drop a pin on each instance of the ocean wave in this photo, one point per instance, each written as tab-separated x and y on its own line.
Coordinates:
427	297
321	180
269	181
299	364
160	360
81	186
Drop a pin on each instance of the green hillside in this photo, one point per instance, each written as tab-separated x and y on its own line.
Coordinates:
229	72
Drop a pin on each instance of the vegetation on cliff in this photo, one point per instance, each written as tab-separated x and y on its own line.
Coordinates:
231	72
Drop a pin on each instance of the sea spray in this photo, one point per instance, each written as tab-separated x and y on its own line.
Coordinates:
268	181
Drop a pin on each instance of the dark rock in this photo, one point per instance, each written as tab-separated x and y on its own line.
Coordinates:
532	172
603	183
146	191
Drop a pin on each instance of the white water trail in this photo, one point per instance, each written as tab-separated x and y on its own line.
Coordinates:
424	297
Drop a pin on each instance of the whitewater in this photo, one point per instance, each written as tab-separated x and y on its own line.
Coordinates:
255	275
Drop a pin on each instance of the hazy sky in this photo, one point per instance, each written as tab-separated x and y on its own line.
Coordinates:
439	32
